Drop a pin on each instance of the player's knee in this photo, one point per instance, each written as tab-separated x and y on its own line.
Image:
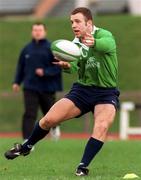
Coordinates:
102	127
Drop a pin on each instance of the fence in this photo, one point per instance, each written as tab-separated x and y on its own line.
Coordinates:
125	128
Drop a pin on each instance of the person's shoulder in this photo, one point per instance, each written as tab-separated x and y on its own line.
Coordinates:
26	47
28	44
103	32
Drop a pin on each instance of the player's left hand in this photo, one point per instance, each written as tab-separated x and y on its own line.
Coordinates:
39	72
63	64
88	40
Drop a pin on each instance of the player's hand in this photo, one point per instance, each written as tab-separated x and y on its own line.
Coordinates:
16	87
39	72
63	64
88	40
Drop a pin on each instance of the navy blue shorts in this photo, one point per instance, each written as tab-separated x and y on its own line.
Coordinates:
86	97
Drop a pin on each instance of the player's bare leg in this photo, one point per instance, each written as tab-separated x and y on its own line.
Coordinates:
62	110
103	117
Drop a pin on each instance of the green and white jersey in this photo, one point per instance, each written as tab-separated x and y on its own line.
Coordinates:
98	64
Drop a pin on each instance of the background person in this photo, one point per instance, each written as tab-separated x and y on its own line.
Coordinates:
95	91
40	77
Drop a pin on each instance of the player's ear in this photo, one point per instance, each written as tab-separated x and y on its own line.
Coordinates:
89	23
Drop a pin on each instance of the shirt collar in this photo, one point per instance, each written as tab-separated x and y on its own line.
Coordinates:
94	29
39	41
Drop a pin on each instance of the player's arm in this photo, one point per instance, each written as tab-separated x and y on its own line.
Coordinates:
62	64
105	43
68	67
19	75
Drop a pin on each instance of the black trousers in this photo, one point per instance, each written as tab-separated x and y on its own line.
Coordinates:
32	102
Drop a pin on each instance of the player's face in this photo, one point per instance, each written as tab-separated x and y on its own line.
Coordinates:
38	32
80	26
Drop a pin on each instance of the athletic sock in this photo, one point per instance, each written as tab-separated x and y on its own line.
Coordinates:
93	146
37	134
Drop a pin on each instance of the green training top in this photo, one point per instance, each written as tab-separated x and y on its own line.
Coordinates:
98	64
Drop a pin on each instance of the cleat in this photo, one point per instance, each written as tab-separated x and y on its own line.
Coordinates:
82	171
16	151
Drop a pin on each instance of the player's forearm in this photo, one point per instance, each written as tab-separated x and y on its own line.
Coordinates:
72	69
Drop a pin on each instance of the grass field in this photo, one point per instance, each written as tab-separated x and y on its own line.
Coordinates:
58	160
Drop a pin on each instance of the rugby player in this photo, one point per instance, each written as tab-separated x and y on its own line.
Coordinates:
96	89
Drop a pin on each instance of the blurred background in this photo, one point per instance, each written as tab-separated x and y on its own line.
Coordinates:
121	17
59	8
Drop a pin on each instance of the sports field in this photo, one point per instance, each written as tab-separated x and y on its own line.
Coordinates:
16	33
57	161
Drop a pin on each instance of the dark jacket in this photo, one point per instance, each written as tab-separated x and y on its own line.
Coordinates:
38	55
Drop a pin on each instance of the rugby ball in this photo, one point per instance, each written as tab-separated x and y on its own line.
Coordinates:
65	50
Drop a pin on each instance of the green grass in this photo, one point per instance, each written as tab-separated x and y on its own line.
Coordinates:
58	160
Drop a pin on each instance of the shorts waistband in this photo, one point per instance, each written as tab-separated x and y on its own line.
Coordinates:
97	87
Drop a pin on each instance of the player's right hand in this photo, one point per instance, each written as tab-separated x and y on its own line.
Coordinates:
16	87
63	64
